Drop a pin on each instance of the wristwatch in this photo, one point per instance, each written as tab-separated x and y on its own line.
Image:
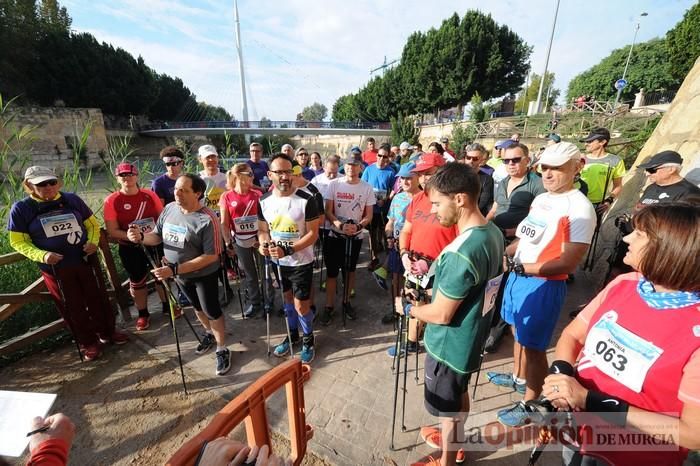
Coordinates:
288	250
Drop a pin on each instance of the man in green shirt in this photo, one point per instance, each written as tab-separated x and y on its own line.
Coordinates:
467	276
601	167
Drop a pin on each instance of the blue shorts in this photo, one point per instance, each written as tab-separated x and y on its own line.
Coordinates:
394	263
532	306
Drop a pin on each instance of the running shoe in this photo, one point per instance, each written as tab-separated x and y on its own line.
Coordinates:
349	311
412	348
433	438
379	276
118	338
283	348
249	311
307	353
142	323
326	316
506	380
517	415
207	342
91	352
223	361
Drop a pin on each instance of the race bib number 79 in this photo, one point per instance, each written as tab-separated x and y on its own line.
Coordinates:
174	235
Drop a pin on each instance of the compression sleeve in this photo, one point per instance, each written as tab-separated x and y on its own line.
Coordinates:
22	243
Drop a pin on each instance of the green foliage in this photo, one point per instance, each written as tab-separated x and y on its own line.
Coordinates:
403	128
462	134
683	43
272	143
44	63
478	112
649	68
265	122
15	156
443	68
530	94
314	112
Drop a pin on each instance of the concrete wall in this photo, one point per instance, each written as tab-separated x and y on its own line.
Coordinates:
53	129
327	145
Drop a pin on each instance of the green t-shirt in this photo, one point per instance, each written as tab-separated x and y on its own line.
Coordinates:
468	269
595	172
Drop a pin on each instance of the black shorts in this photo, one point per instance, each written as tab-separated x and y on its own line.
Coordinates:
298	279
203	294
135	262
334	253
444	388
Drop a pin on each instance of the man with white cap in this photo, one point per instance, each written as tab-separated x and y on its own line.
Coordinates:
212	176
405	150
551	241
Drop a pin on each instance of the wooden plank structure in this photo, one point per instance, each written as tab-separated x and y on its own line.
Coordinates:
36	292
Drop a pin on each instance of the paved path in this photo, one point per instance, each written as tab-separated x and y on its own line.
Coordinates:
349	396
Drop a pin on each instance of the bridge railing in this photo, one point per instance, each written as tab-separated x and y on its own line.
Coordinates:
267	124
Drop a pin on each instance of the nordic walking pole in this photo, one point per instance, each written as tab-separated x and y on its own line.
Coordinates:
169	293
405	376
346	275
173	305
267	306
66	319
590	257
237	270
396	379
281	288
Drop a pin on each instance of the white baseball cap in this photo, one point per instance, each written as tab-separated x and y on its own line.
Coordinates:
206	150
558	154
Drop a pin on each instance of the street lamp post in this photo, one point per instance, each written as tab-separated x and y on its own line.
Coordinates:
629	55
538	105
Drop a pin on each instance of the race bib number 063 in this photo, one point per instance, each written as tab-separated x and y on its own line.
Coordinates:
619	353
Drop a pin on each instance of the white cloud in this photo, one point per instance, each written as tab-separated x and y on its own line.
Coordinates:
300	51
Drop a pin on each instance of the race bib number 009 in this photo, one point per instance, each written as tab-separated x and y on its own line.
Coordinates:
619	353
531	229
174	235
59	225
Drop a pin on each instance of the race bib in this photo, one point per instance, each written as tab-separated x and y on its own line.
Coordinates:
619	353
146	225
60	225
380	195
531	229
248	224
174	235
490	294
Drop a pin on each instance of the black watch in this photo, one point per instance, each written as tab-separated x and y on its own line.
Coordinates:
288	250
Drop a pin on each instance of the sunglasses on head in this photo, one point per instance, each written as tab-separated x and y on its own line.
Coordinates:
46	183
172	164
514	160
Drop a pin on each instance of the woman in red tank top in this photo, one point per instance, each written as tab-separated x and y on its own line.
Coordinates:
636	350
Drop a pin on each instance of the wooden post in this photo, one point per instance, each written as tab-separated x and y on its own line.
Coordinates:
119	292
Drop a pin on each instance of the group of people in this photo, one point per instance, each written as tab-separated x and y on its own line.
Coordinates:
472	247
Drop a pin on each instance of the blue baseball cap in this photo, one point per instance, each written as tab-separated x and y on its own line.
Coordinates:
405	171
355	150
505	144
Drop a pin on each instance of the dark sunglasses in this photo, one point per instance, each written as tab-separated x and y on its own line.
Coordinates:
513	161
172	164
125	175
473	159
302	153
384	156
46	183
652	170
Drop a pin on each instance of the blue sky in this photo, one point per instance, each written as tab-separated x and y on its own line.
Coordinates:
300	51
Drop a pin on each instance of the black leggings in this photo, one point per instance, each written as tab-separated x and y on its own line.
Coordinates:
203	293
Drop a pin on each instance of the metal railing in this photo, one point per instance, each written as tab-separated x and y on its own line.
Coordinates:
268	124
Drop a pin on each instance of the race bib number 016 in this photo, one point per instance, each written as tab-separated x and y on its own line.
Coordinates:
619	353
247	224
174	235
59	225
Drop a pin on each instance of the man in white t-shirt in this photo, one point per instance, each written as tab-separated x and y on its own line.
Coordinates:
349	204
551	241
288	223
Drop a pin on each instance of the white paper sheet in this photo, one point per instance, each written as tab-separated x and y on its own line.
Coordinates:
17	409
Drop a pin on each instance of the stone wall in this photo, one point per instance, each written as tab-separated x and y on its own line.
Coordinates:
55	128
328	145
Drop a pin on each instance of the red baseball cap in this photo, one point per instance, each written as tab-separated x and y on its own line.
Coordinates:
126	167
427	161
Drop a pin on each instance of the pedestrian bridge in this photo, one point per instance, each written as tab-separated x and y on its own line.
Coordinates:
289	128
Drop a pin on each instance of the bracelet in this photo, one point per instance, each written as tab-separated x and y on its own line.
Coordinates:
561	367
612	409
609	200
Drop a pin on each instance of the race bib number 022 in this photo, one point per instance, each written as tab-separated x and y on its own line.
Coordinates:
59	225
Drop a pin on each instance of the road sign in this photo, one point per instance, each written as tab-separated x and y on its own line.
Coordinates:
620	84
